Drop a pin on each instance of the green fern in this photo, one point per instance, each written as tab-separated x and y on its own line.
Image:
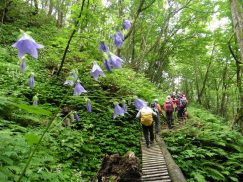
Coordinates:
215	174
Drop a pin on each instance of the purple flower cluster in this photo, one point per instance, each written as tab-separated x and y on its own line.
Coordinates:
115	61
118	111
72	78
76	117
139	103
96	71
35	100
88	106
78	89
23	66
103	47
118	38
126	24
27	45
31	81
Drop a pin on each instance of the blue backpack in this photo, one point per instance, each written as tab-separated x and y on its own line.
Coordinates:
183	102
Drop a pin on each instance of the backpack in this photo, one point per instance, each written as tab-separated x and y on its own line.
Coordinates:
146	118
168	107
183	102
155	108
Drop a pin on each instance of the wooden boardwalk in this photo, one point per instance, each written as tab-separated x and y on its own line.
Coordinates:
154	166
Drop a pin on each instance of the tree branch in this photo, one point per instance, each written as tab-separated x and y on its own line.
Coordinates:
232	52
70	38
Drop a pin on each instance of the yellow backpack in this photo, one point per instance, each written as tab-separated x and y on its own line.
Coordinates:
146	118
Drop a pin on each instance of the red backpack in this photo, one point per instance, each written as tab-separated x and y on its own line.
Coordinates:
168	107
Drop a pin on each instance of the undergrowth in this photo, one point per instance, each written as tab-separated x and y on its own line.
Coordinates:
206	149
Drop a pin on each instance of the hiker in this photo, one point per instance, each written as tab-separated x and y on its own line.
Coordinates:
168	107
182	103
157	109
146	118
174	102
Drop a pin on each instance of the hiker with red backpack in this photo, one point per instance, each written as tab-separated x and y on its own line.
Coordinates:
168	107
146	115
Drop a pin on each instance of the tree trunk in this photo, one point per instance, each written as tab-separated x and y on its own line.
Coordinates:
70	38
7	3
36	7
237	16
224	88
207	73
50	7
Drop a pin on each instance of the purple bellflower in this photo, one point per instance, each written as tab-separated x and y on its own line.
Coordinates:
96	71
118	41
69	82
74	76
27	45
32	81
76	117
22	66
78	89
115	61
88	106
118	111
126	24
70	79
119	33
118	38
103	47
107	66
139	103
35	100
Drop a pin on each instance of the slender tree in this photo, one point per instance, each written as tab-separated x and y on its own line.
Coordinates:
237	17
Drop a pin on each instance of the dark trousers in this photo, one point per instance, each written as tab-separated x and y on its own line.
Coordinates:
181	113
157	123
169	118
148	130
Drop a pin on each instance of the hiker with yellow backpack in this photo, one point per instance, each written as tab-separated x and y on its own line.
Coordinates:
146	115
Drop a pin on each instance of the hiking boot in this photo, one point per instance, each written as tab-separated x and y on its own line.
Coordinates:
147	145
151	142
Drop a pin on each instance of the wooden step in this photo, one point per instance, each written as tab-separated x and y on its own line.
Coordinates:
154	167
153	161
154	180
154	177
158	170
164	173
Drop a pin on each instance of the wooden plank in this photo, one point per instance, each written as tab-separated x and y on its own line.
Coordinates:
165	173
156	179
156	176
156	167
152	178
154	162
157	170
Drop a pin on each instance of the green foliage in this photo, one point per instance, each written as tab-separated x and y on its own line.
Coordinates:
202	150
205	149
